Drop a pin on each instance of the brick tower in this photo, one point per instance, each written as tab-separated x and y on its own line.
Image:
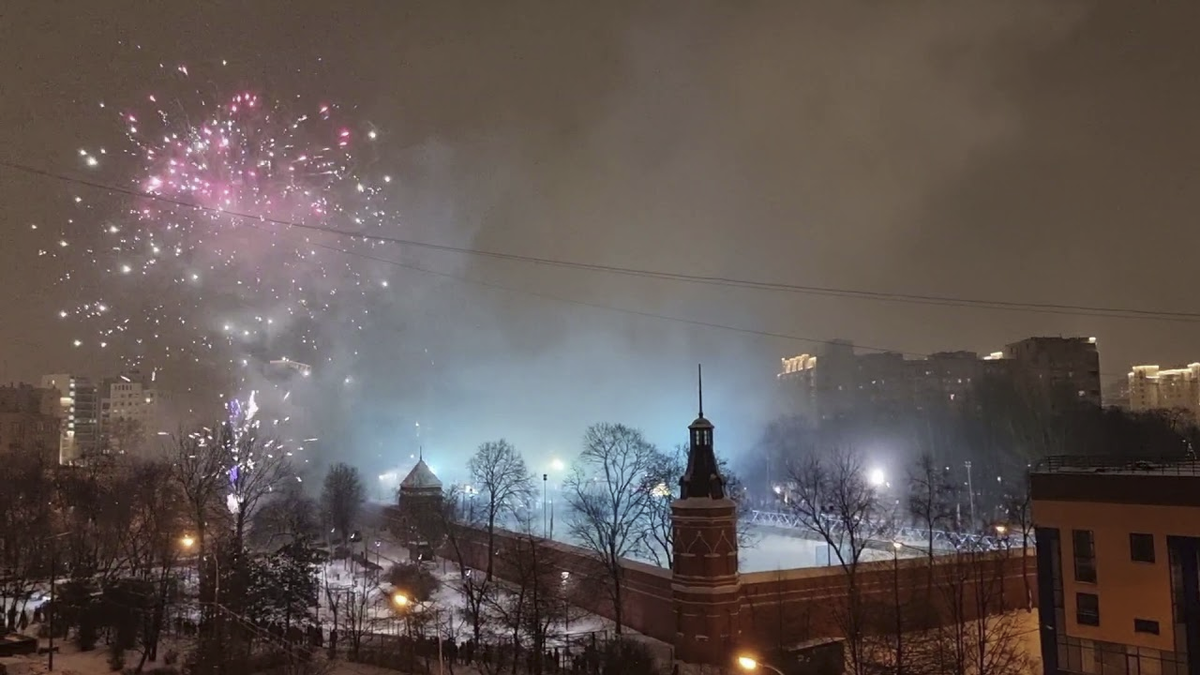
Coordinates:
705	588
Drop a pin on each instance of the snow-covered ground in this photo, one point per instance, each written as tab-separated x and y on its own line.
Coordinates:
776	551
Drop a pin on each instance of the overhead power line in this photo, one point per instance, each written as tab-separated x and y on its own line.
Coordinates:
879	296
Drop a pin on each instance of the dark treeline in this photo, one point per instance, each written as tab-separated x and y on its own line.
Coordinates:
1003	430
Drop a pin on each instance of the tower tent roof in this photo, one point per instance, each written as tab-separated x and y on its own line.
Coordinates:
421	478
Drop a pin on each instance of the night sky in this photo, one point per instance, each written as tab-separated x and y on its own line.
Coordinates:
1043	152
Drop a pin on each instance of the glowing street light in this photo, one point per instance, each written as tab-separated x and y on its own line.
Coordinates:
187	540
402	602
1001	530
751	664
876	477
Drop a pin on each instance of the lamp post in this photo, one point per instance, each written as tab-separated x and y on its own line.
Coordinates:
50	614
896	598
750	664
1002	533
403	602
545	531
970	494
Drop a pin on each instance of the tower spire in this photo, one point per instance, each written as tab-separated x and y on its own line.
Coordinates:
702	477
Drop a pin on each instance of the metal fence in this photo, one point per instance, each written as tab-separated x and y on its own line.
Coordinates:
912	537
1162	466
575	653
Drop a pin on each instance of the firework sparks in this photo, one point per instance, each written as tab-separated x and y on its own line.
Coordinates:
202	251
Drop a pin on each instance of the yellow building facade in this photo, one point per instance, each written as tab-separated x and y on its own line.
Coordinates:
1118	546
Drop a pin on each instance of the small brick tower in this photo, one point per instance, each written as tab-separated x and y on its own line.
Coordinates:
706	588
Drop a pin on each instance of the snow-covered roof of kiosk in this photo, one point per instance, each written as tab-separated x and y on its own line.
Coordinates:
421	478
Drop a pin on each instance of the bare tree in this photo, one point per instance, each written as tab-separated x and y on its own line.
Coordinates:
736	490
256	466
154	541
342	497
357	617
96	517
476	589
533	607
1020	527
198	468
224	475
610	493
26	521
288	516
657	539
503	482
834	499
930	498
978	635
123	436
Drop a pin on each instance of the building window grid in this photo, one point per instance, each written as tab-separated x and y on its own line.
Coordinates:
1148	626
1080	655
1083	548
1141	547
1087	609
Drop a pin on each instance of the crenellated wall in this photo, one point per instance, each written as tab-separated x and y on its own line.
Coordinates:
647	589
792	606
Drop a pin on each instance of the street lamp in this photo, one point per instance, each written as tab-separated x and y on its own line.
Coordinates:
896	545
403	602
970	494
750	664
50	612
187	541
876	477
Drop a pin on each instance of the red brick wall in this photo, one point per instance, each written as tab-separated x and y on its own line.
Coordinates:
791	606
786	607
646	598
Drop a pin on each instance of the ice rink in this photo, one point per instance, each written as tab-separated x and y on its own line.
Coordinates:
773	550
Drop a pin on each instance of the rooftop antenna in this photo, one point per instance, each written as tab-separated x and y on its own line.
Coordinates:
700	386
420	453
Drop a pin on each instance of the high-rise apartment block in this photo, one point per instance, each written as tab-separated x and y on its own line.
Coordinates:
129	410
1058	365
1155	388
31	420
81	433
840	380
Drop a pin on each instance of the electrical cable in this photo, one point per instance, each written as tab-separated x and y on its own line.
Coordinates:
913	298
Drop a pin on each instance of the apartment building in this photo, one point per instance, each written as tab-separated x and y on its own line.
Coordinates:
1118	580
81	434
841	380
31	422
1154	388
